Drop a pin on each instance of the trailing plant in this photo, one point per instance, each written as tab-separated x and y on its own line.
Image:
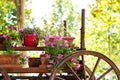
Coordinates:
11	38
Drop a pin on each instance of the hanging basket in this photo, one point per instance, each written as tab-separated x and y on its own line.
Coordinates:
31	40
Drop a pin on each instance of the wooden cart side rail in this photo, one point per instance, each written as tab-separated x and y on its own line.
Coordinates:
4	74
24	48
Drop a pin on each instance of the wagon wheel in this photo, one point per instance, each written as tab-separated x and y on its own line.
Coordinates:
101	67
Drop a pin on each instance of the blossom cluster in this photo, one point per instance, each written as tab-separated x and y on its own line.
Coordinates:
9	36
55	49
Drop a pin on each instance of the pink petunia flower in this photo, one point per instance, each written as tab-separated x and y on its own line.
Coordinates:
47	38
52	44
46	42
66	43
77	67
56	60
49	66
47	55
56	38
20	31
73	59
51	61
59	56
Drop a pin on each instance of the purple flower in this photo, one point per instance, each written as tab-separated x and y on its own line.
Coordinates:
56	38
14	28
15	45
66	43
2	36
49	66
73	60
47	38
8	37
61	38
46	42
43	52
10	27
51	61
20	31
26	58
77	67
47	55
59	56
56	60
52	44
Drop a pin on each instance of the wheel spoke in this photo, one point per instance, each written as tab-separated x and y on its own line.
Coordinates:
5	74
59	78
72	71
78	75
83	62
105	73
98	60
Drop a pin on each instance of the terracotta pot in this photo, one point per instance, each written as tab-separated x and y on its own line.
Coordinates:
31	40
69	39
9	59
34	62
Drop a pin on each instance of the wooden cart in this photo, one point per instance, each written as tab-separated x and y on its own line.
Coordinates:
85	72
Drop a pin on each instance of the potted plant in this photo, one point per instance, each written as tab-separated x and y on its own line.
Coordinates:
10	38
29	36
34	59
60	30
55	50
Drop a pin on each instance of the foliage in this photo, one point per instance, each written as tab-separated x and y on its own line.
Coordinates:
103	29
32	29
25	31
55	49
62	10
7	13
11	36
23	59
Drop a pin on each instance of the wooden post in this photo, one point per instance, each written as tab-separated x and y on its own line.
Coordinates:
82	30
22	15
65	27
20	12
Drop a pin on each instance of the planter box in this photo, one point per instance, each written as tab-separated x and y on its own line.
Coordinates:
9	59
34	62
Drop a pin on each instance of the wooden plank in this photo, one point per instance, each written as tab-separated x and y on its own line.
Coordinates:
24	48
41	69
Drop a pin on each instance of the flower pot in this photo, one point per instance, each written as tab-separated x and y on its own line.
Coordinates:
31	40
68	39
9	59
34	62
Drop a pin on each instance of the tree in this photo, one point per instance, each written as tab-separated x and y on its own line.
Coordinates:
63	10
104	29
